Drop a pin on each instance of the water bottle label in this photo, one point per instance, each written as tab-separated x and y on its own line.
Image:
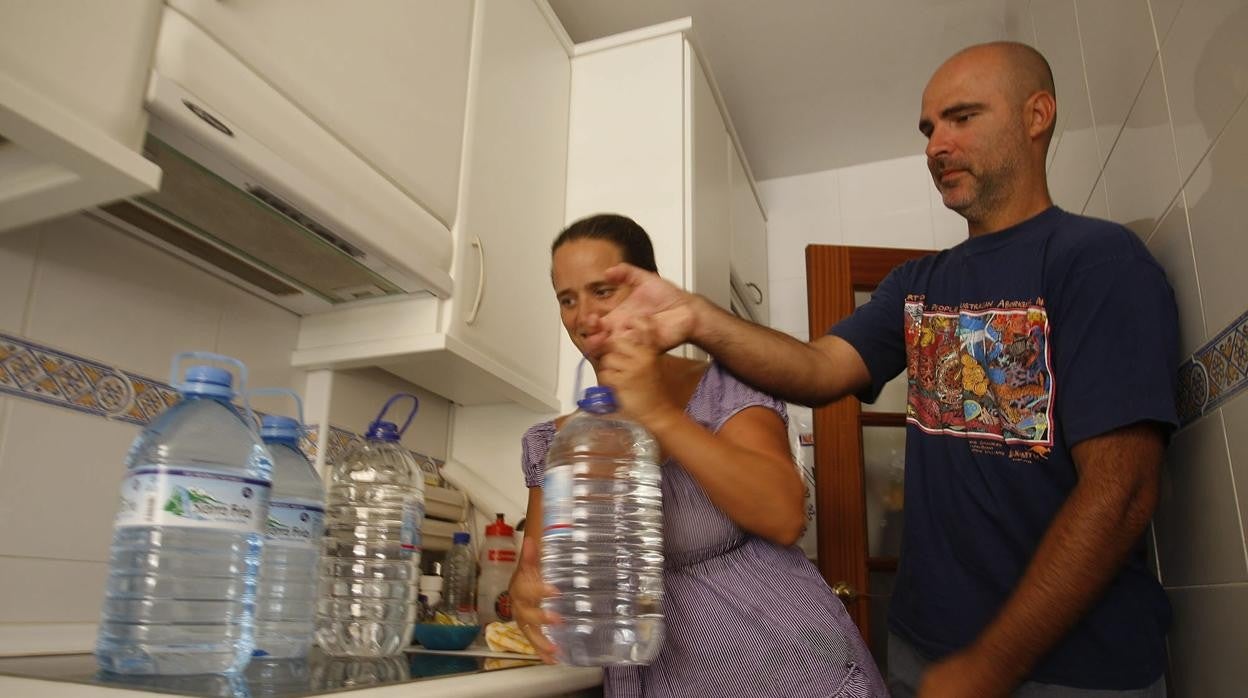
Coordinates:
413	516
557	502
294	521
497	555
159	496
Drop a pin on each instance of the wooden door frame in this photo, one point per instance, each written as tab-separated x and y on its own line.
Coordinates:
841	517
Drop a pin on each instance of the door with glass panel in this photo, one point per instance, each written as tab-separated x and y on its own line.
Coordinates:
859	451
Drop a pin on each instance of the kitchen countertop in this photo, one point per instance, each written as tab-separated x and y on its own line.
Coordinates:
418	673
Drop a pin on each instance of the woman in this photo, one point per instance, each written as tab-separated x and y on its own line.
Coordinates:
745	613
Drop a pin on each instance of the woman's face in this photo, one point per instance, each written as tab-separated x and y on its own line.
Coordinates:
578	273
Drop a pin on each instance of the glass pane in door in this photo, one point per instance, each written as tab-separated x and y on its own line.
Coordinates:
883	461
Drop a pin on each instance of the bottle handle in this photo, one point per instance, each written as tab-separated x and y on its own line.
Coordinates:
411	415
284	391
175	377
576	384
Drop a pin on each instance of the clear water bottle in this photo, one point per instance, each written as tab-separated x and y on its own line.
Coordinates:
371	551
602	537
289	570
181	587
459	590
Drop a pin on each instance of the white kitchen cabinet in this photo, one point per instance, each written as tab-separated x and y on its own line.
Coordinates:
749	245
496	339
650	140
72	78
389	80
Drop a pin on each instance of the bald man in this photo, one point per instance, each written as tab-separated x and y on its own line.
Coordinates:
1041	356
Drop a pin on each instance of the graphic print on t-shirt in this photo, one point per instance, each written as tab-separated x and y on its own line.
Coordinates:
981	371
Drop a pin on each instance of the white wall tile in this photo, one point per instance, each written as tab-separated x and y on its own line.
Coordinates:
359	394
1118	47
1208	640
1097	205
1057	37
1219	226
1206	63
1199	540
50	591
1235	418
880	188
487	440
788	305
17	267
1164	12
801	210
1142	173
1171	244
103	294
61	471
263	336
910	228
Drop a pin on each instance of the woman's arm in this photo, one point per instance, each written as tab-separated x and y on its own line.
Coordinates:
745	469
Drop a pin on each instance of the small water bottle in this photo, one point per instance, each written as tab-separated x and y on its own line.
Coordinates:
460	581
186	548
602	537
289	569
371	550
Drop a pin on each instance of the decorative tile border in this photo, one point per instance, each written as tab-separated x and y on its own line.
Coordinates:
36	372
1215	373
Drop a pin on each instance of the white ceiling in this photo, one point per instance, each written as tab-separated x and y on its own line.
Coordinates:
812	84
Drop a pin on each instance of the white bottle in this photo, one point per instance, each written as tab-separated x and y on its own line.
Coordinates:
498	563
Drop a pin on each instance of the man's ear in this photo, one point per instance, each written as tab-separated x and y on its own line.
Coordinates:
1040	110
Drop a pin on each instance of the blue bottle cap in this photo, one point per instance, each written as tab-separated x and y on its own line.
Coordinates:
383	431
208	380
461	538
275	427
598	399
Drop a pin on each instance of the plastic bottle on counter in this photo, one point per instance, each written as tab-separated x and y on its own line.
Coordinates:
180	595
460	581
371	550
289	570
498	563
602	537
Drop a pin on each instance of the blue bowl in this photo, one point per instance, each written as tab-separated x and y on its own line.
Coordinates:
446	637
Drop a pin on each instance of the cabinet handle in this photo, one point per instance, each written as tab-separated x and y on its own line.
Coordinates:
476	303
757	290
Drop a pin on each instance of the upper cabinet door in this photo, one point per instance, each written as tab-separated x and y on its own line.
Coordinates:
710	212
512	203
749	243
388	79
73	74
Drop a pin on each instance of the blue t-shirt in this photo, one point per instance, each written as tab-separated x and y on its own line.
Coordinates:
1019	345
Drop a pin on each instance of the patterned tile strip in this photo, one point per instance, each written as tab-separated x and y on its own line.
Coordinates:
1215	373
33	371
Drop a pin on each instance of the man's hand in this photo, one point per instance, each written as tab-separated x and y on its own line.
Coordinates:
672	311
527	591
631	368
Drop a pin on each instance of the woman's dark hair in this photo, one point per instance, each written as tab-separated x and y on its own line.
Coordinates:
623	231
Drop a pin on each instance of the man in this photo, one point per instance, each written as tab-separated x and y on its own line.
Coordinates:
1041	355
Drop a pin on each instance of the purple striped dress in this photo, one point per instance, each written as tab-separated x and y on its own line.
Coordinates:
743	616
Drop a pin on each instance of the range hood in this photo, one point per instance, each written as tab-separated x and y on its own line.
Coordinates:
234	207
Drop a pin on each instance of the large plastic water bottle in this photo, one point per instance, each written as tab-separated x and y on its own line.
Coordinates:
289	571
371	553
188	535
602	537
